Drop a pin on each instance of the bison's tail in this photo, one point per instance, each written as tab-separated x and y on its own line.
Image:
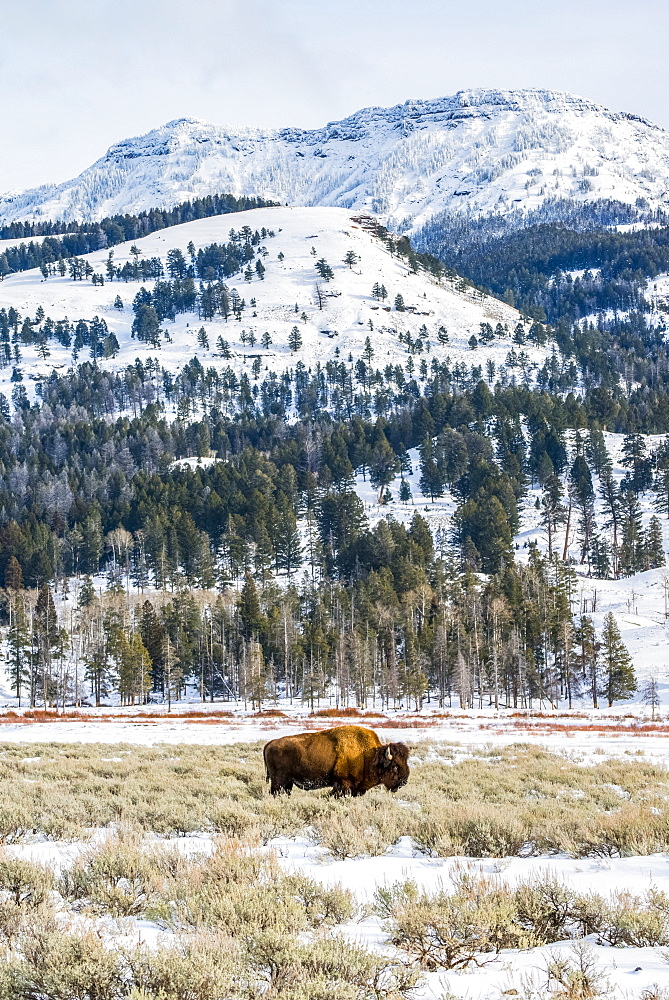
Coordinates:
264	754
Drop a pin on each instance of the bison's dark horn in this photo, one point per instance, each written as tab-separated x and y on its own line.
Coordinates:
389	755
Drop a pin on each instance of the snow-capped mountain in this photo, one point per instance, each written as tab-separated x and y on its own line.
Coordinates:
478	152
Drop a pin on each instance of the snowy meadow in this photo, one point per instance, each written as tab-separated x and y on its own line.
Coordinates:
498	870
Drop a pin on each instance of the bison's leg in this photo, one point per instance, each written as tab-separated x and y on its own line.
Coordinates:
276	787
340	788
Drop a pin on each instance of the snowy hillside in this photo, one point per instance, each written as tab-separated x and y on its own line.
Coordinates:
479	152
336	327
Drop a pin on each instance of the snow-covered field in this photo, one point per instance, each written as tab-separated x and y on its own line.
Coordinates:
629	970
583	736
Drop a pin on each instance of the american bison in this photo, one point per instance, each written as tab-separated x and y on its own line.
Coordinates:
348	759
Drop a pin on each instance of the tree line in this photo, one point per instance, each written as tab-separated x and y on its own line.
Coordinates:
72	239
408	629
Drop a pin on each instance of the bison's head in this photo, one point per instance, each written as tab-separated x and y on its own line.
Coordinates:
392	766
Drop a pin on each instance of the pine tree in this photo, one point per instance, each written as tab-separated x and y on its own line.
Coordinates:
324	270
134	682
610	494
383	464
256	679
172	672
45	637
223	348
404	492
97	668
13	574
654	545
661	487
632	554
553	510
286	539
399	303
617	669
250	614
146	325
368	352
295	339
18	644
432	477
153	637
597	452
586	637
351	258
634	459
601	557
86	593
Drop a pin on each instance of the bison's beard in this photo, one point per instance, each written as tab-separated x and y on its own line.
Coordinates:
399	784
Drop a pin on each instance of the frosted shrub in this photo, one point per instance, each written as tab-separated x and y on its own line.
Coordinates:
546	908
204	966
68	967
363	827
469	926
23	882
241	892
15	822
321	905
631	829
654	992
327	968
25	895
475	830
625	920
482	915
232	819
118	877
576	977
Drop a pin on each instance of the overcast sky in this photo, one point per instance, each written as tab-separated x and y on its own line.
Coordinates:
78	75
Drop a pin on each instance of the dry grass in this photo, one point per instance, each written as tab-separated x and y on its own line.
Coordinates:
519	801
567	728
347	713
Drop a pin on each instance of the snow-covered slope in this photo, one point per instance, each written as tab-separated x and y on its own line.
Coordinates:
338	330
479	151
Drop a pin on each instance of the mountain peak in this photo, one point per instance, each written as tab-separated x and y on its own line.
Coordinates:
475	153
184	122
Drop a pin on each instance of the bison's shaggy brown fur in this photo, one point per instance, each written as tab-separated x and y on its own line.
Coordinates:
347	759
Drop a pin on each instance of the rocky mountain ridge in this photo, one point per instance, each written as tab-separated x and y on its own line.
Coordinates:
478	153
